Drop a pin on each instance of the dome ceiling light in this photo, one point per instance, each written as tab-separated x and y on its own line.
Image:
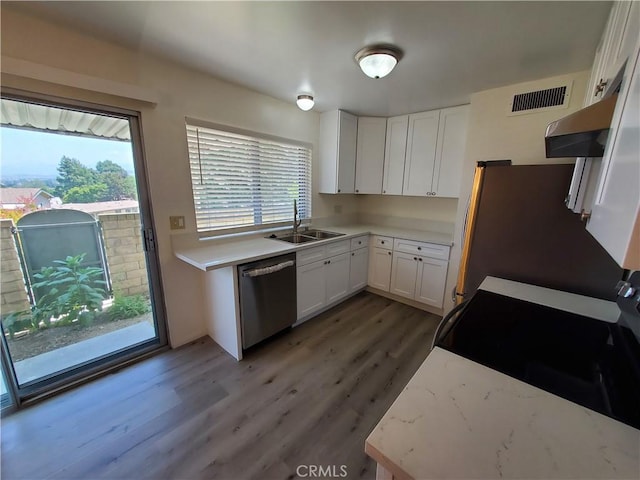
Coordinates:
377	61
305	102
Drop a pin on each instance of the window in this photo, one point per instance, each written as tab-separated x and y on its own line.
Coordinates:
246	181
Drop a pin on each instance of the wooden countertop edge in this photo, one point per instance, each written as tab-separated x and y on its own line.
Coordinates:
378	456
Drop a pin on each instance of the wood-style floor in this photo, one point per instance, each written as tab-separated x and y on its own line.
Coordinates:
308	397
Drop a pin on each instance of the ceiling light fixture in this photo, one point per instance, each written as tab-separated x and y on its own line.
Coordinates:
305	102
377	61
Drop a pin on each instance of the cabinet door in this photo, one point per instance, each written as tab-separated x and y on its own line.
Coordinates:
615	217
421	153
311	284
452	140
358	271
394	155
380	268
432	278
337	152
348	128
370	154
337	277
403	274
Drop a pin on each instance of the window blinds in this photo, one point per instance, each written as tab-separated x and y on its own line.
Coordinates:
242	181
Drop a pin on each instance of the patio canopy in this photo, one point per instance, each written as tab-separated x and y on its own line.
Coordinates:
31	116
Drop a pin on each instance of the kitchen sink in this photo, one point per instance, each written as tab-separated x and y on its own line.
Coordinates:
297	238
321	234
307	236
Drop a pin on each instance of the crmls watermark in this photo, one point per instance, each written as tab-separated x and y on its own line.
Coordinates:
321	471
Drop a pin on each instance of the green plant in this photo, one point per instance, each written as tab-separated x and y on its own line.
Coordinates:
70	291
128	307
17	321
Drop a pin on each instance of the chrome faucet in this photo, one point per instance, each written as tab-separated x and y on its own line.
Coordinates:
296	222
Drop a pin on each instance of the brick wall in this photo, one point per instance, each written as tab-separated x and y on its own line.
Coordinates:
13	293
125	253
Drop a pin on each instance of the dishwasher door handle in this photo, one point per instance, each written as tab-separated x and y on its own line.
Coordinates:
258	272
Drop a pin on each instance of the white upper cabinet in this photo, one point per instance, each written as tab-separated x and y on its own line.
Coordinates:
420	160
424	153
370	154
338	131
452	141
615	216
616	53
394	154
420	154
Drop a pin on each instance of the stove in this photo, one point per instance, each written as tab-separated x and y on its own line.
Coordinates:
585	360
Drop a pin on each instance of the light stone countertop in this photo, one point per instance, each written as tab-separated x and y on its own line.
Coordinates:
459	419
219	254
603	310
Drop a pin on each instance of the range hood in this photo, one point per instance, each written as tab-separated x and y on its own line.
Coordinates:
583	133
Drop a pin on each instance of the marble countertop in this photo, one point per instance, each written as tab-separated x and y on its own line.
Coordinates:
212	255
459	419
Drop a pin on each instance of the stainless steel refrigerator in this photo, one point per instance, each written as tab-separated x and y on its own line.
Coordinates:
518	228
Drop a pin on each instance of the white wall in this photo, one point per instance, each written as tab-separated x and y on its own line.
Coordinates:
493	135
181	93
420	208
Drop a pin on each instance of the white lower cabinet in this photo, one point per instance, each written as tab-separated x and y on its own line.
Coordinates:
327	274
404	271
312	289
419	278
358	271
380	268
337	277
431	281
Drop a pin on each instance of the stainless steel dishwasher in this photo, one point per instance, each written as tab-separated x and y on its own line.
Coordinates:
267	297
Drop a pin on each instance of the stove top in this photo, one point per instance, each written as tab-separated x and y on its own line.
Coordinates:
590	362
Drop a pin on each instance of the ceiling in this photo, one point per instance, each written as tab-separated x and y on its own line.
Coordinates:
451	49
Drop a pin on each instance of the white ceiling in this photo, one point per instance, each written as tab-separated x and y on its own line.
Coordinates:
452	49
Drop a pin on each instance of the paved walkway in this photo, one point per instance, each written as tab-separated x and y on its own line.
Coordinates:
71	355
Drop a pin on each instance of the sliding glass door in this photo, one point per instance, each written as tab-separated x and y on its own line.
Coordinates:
80	281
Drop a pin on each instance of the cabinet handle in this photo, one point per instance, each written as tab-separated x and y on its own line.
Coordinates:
389	253
382	242
338	190
384	191
585	216
359	243
415	258
328	261
352	254
419	248
419	259
357	191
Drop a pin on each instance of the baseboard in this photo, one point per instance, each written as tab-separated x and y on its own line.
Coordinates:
406	301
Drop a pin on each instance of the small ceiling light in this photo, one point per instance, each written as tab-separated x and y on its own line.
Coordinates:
305	102
377	61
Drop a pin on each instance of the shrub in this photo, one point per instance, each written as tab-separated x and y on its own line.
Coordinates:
18	321
70	291
128	307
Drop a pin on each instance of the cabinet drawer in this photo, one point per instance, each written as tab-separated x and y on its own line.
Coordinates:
383	242
310	255
337	248
424	249
360	242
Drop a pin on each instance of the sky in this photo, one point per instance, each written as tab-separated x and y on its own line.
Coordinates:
32	154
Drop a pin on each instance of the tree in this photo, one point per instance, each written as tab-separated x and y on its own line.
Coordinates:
96	192
120	185
73	174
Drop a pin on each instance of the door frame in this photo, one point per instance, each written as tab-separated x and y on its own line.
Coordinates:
84	372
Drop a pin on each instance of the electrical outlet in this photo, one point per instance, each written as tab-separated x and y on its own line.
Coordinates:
337	209
176	223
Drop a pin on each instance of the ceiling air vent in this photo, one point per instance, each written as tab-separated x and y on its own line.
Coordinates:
540	100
